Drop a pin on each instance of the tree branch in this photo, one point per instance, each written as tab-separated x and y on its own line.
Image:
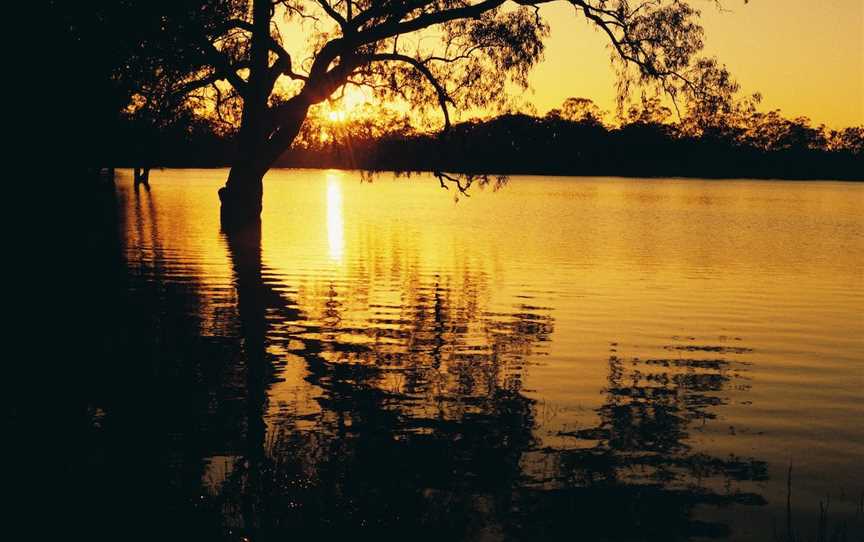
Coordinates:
463	188
188	87
223	67
394	28
382	9
282	66
335	15
443	97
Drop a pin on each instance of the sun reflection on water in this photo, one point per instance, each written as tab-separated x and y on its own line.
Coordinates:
591	343
335	221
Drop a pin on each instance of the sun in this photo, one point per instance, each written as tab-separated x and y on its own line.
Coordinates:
336	115
348	105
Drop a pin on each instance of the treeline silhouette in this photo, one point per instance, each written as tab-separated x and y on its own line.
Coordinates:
124	46
572	140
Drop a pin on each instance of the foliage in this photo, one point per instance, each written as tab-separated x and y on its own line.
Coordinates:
425	53
171	62
126	63
582	110
573	140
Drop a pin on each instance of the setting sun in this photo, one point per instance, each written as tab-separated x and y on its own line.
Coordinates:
348	104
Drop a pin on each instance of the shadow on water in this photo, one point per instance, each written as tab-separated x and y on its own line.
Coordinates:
410	433
420	427
160	395
443	451
635	467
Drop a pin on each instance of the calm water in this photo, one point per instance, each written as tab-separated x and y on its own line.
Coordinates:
564	358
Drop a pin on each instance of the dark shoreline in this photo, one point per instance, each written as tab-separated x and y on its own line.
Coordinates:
409	173
525	145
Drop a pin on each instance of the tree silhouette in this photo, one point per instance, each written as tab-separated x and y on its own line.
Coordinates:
388	46
581	110
126	64
574	140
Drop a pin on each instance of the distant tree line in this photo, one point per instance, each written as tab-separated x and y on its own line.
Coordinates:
572	140
131	107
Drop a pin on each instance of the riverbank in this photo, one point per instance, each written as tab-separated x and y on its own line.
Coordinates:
523	144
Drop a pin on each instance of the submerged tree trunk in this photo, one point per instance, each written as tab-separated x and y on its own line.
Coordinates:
142	176
241	195
265	131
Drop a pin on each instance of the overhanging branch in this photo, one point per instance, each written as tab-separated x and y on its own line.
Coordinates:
441	92
224	69
394	28
335	15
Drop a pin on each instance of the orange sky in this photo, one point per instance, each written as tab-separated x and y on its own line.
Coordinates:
804	57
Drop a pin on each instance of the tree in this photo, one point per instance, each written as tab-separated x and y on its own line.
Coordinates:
850	140
581	110
136	58
649	111
430	53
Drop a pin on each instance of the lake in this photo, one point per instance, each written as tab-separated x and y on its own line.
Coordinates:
561	358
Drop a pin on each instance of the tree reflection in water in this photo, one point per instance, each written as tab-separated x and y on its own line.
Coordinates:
420	428
423	431
634	476
412	431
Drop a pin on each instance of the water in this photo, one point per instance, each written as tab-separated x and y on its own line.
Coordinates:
564	358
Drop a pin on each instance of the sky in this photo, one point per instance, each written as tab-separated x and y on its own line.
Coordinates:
805	57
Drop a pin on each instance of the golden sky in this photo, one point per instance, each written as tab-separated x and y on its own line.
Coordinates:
805	57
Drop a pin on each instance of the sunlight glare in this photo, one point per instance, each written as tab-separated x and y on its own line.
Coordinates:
335	222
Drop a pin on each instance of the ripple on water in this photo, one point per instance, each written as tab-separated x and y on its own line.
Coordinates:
564	346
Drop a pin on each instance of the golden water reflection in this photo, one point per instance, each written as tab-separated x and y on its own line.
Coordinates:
335	222
588	343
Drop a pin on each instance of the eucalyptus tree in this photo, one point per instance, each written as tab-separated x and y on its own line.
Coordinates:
429	53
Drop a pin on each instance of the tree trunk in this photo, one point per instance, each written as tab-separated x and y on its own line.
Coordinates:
142	176
259	143
241	197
